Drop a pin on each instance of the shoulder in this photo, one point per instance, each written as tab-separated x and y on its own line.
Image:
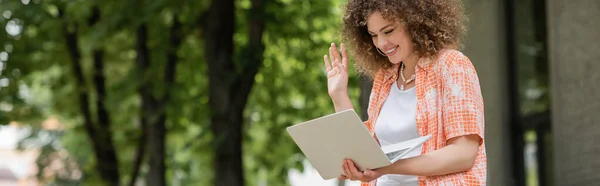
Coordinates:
452	61
452	57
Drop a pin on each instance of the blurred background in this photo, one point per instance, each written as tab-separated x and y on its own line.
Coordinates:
182	92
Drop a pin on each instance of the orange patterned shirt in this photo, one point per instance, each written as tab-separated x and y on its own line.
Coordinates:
449	104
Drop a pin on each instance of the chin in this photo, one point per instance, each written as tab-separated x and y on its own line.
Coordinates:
394	61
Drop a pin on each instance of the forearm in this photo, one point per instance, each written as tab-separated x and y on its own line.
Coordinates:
450	159
341	103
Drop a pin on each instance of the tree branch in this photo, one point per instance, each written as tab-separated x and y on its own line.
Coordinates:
175	39
99	83
102	145
254	51
75	56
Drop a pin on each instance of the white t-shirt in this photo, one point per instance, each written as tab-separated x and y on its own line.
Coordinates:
396	123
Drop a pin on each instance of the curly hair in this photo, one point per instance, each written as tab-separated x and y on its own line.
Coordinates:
433	25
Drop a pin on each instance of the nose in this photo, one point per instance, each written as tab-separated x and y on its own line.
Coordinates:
381	42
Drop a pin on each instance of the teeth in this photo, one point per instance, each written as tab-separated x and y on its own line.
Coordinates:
390	50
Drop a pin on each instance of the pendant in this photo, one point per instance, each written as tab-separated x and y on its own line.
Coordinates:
401	87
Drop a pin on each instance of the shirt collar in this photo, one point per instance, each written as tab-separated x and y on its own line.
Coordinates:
392	72
424	62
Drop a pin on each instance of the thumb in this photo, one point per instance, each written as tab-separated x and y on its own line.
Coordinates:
370	173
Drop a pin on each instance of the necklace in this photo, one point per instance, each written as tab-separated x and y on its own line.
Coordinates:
405	81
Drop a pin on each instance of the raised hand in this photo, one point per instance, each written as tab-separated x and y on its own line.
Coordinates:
337	71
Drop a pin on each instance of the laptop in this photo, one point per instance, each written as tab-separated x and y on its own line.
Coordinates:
328	140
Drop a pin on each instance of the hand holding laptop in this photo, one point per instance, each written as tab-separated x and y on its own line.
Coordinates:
352	173
329	140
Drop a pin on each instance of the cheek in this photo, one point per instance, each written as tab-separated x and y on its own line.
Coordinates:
404	40
404	45
408	46
407	42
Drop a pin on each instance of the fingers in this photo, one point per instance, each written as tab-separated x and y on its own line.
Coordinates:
340	66
336	54
351	172
334	63
353	169
335	71
344	55
327	63
332	55
347	171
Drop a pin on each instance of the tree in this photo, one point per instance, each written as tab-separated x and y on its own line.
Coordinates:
67	25
79	32
230	83
98	130
143	75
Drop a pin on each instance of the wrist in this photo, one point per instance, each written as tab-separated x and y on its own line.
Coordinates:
401	166
341	99
341	102
339	96
387	169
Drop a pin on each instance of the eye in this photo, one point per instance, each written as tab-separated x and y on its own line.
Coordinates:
373	36
389	31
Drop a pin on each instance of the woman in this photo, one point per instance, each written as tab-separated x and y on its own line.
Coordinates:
421	86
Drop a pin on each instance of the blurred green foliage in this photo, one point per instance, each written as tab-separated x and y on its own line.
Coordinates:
37	82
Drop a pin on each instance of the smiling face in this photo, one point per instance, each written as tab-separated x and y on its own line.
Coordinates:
391	38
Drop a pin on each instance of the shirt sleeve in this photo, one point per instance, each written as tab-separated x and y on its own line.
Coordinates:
368	124
462	107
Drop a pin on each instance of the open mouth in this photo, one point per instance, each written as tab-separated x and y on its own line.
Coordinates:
391	51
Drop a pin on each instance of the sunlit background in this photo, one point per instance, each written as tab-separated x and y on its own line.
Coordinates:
120	92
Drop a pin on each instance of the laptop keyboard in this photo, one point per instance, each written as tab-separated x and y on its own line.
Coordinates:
395	154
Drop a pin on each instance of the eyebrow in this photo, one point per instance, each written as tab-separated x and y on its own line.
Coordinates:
391	24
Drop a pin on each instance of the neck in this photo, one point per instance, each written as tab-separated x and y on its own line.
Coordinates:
411	62
406	73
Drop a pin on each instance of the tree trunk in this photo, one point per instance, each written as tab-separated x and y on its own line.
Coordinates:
104	151
218	37
147	102
229	89
158	130
154	116
156	144
104	124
